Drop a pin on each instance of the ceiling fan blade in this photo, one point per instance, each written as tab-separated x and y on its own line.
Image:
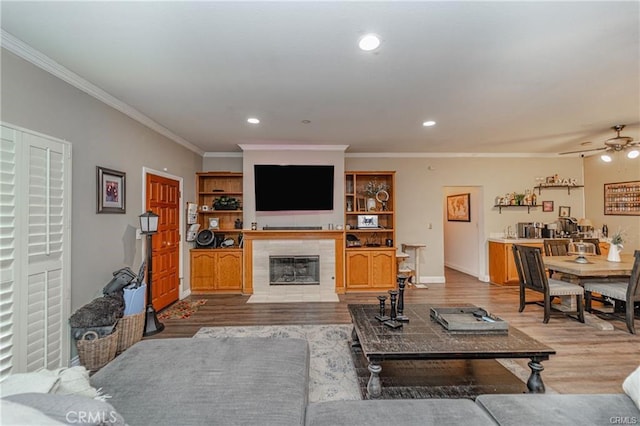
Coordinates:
582	150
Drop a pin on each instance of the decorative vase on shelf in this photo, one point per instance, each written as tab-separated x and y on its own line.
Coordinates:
371	204
614	253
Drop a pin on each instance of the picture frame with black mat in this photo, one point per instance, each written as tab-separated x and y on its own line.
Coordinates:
110	191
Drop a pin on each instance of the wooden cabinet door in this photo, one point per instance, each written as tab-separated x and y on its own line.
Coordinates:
358	270
228	271
382	269
203	264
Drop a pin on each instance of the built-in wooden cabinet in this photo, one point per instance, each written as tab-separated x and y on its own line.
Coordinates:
370	250
371	269
216	270
219	199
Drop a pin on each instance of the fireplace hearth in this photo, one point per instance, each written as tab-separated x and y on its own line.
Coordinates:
294	270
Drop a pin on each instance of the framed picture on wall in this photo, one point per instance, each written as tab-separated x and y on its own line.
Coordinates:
458	208
547	206
110	191
564	211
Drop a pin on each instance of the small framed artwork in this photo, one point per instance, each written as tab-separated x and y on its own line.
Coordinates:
458	208
362	205
547	206
110	190
564	211
214	223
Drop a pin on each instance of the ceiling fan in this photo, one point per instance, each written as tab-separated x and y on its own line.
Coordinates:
616	144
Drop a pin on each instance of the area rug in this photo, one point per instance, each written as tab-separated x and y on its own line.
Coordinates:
181	309
332	376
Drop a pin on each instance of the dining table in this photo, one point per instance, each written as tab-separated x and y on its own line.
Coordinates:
596	268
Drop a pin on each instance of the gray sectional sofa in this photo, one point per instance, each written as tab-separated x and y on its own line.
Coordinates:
264	381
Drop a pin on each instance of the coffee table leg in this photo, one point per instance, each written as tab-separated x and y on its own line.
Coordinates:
374	387
534	384
355	342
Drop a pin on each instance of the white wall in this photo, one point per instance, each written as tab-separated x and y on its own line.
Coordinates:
100	136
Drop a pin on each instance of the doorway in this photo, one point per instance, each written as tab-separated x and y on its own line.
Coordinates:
162	196
463	241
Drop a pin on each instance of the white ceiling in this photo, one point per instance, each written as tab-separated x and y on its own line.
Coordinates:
498	77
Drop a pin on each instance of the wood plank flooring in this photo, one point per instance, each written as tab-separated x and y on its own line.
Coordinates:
587	360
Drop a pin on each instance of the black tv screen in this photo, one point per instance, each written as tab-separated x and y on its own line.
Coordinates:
293	187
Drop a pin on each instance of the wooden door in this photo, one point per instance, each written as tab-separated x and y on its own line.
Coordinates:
163	198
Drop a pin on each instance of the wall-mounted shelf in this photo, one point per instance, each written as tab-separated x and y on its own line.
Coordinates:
540	187
508	206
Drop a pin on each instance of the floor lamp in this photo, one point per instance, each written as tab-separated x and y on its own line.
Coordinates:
148	227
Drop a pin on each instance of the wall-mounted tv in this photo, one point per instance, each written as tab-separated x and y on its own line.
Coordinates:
293	187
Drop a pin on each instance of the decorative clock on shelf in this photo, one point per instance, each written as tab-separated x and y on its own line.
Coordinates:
214	223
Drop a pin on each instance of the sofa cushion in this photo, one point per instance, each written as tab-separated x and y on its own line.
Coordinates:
226	381
70	409
14	414
561	410
397	412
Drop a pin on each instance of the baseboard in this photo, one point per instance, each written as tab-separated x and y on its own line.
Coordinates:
432	280
185	294
461	269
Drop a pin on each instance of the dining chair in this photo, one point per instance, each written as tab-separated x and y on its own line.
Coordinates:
556	246
594	241
625	291
533	277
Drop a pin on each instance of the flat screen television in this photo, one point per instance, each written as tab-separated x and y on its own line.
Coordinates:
293	187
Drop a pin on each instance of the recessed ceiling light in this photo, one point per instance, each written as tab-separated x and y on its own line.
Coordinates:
606	158
429	123
634	153
369	42
253	120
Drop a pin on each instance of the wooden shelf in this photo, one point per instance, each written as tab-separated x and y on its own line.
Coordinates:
508	206
541	187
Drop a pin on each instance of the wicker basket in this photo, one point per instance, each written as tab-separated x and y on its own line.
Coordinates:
95	352
131	328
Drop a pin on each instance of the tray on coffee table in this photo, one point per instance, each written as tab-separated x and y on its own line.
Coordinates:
469	319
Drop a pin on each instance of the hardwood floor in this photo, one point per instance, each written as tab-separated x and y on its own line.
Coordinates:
588	360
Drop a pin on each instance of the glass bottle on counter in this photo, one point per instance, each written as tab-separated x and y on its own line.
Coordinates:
605	230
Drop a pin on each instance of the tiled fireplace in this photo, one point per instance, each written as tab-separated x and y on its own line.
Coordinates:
292	270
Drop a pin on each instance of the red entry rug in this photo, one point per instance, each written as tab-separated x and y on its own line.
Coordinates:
181	309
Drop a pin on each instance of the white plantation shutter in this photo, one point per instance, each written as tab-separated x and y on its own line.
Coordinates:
40	296
8	214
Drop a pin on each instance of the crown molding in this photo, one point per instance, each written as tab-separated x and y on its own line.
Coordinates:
287	147
29	54
448	155
223	154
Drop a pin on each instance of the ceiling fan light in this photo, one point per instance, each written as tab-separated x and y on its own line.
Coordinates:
606	158
634	153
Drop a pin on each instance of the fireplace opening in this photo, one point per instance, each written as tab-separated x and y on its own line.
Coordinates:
294	270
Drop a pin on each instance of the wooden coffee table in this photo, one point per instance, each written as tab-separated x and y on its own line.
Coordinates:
422	338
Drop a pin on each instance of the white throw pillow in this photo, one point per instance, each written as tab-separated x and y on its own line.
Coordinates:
39	381
631	386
